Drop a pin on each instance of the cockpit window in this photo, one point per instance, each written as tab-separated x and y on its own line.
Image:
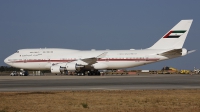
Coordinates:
17	52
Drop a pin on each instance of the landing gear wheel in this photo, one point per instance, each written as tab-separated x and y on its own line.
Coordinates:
80	73
93	73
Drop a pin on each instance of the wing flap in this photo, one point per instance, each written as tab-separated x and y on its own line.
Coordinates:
94	60
85	61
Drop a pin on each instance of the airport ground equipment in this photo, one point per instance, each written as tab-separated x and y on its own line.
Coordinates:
171	70
23	73
196	71
168	70
14	73
121	72
184	72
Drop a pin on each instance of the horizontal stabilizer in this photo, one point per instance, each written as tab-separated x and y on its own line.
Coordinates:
172	52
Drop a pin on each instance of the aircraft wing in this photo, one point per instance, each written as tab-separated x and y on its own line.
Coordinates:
85	61
191	51
93	60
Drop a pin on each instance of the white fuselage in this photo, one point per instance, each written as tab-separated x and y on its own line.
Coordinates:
43	59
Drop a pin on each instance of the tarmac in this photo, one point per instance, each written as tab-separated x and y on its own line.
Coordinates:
114	82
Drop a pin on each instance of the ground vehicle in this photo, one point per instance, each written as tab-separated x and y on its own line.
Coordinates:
168	70
14	73
196	71
184	71
23	73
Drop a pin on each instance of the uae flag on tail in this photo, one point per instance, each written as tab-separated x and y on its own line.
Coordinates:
174	34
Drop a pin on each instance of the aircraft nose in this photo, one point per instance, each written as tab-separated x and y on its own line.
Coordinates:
6	61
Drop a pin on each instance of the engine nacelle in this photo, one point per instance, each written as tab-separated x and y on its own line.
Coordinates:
71	67
55	69
67	66
184	52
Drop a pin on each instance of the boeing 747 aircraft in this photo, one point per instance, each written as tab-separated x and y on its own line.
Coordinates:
89	62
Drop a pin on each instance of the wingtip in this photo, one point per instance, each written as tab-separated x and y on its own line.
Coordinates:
102	55
191	51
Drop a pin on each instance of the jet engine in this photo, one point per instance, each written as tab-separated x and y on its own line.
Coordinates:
68	67
74	66
55	69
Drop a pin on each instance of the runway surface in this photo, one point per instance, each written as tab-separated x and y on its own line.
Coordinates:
59	83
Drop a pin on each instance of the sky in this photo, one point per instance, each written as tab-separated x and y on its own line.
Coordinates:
92	24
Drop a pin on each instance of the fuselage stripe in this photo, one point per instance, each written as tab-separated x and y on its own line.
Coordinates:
140	59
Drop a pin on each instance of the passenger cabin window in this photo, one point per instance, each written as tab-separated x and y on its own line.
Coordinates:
47	51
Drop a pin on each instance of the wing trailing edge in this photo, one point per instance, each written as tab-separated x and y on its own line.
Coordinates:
94	60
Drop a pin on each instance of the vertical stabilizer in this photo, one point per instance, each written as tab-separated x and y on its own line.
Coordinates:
175	38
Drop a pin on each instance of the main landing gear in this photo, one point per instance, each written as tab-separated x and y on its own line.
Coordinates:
89	73
80	73
93	73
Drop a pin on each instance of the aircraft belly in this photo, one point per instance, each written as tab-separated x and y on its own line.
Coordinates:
31	66
125	64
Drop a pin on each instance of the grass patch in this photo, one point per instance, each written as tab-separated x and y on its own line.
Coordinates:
29	93
102	101
84	105
4	110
